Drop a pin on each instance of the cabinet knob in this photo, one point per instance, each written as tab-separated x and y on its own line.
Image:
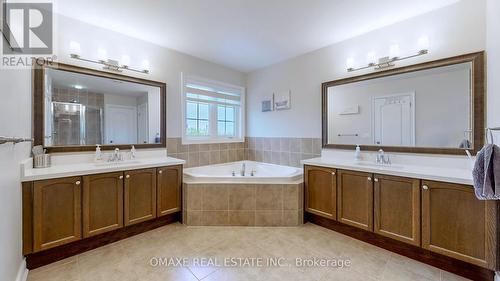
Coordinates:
376	180
160	172
77	182
120	177
369	179
127	176
425	187
333	173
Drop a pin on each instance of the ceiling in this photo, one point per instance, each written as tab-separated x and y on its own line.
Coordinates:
245	34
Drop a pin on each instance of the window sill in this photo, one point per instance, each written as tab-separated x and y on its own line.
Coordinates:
209	141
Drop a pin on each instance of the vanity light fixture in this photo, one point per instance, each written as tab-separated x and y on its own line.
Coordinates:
389	61
109	64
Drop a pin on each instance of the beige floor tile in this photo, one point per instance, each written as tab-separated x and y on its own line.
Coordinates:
65	270
131	259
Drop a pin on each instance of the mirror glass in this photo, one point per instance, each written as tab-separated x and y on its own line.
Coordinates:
425	108
83	109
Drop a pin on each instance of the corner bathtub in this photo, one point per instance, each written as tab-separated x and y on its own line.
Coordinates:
262	173
273	196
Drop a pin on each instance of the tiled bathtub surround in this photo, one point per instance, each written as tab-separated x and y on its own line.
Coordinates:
206	154
243	204
283	151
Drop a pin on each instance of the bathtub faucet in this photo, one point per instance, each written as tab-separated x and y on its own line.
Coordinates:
243	167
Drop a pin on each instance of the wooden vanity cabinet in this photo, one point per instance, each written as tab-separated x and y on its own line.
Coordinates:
321	191
102	203
56	212
168	190
456	224
140	196
355	199
397	208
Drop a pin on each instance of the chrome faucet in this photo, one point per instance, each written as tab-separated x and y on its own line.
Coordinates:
116	156
243	168
382	158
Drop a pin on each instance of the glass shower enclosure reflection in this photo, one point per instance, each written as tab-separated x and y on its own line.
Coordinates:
76	124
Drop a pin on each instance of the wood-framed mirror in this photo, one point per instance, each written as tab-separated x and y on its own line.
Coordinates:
433	107
76	108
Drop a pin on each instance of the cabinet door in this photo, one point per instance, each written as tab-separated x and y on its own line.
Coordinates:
397	208
321	191
102	203
355	199
56	212
140	196
456	224
169	186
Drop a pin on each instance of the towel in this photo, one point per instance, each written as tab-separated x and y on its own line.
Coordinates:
486	173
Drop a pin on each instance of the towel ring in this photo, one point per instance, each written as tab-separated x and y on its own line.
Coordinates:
489	133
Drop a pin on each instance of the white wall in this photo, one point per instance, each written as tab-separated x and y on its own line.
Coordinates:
493	61
15	120
454	30
15	110
165	65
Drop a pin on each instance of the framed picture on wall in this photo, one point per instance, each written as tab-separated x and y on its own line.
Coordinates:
282	100
268	104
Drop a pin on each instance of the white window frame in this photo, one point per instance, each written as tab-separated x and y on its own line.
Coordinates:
213	137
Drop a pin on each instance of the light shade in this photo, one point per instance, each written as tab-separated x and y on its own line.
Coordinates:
423	43
74	48
125	60
102	54
371	57
145	65
349	63
394	51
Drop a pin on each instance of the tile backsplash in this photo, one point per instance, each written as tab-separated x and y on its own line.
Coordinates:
206	154
282	151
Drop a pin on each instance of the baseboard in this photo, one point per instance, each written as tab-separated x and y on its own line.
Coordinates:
22	272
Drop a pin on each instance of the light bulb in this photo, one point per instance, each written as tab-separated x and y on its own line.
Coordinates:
394	51
125	60
371	58
102	54
423	43
145	64
349	63
74	48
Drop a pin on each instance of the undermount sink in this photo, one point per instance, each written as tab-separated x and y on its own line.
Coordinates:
117	163
375	165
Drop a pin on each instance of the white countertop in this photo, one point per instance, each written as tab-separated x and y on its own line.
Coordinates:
452	175
68	170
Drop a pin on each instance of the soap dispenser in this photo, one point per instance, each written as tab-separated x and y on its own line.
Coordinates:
132	152
98	153
357	154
